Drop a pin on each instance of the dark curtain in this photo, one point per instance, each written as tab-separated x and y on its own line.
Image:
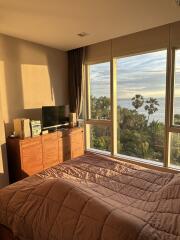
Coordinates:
75	77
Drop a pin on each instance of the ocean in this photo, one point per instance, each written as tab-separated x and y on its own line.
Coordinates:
157	116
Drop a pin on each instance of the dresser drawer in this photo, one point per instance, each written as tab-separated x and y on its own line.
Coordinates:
76	138
30	141
50	152
31	159
49	137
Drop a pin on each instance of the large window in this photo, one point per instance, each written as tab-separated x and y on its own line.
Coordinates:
130	112
141	85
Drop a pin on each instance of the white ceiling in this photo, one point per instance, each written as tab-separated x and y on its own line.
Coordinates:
56	23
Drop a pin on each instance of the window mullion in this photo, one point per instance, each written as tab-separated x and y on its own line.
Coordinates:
168	108
113	107
86	113
88	102
174	126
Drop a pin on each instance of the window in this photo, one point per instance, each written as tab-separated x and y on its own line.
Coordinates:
141	86
176	102
127	118
99	83
98	134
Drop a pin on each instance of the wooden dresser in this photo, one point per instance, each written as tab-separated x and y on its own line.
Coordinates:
32	155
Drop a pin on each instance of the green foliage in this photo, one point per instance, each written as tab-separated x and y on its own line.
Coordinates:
131	119
177	119
100	138
175	149
136	136
175	143
100	108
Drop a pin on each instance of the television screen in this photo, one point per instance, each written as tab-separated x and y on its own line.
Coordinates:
54	115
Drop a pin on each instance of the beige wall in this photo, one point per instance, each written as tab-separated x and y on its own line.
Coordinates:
31	75
3	157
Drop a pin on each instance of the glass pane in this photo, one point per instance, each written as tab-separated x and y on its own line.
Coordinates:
99	75
141	84
175	149
176	109
100	137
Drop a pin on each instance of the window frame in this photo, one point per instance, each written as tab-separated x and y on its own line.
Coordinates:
172	128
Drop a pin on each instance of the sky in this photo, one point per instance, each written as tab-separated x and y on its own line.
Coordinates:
177	74
143	74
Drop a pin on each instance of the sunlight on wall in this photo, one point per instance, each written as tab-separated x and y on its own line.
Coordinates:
2	97
3	94
2	141
36	85
3	106
1	163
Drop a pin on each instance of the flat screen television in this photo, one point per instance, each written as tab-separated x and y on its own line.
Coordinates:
53	116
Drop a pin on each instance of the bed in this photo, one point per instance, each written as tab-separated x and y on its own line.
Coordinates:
90	198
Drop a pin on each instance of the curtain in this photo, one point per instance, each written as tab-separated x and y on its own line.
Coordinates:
75	78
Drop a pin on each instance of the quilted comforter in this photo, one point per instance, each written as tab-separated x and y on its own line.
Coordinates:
92	198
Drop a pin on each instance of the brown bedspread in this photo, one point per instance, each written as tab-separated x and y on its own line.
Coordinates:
91	198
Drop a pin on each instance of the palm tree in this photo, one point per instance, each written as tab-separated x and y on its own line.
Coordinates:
151	106
137	101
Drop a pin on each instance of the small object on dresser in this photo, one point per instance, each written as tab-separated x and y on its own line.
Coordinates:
80	123
35	127
22	127
72	120
12	135
44	132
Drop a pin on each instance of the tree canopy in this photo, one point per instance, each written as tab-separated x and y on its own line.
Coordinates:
137	136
